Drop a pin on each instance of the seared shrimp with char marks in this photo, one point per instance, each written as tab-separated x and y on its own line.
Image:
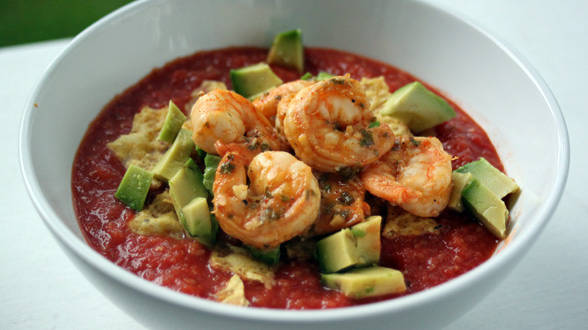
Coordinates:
329	126
228	117
281	201
415	175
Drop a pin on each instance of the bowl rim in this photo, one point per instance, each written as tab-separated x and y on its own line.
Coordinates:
439	292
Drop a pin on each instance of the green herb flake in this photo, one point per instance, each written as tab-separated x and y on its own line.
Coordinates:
414	142
347	173
366	138
264	146
306	76
227	168
374	124
345	198
284	198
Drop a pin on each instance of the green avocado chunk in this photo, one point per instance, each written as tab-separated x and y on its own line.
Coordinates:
488	175
337	251
417	107
359	245
186	184
175	157
270	256
460	181
174	120
254	79
134	187
366	282
210	165
287	50
198	221
367	238
486	207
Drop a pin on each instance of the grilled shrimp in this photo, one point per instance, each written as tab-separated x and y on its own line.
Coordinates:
415	175
342	203
267	103
226	116
329	126
281	201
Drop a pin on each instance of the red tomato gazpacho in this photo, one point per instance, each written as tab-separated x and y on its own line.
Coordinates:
299	178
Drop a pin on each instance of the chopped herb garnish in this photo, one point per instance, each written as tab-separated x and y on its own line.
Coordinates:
227	168
338	81
327	187
374	124
414	142
284	198
345	214
348	173
366	138
345	198
264	146
306	76
268	194
271	214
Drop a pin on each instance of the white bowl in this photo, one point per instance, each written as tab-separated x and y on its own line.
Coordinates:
485	77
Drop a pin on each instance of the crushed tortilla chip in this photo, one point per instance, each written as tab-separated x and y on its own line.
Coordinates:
141	147
233	293
158	219
237	261
402	223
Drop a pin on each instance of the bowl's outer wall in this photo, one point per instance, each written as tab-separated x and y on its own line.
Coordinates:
435	46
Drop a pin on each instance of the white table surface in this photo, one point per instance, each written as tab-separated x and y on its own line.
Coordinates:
40	287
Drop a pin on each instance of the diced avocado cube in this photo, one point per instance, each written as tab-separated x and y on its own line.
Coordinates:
366	282
460	181
486	207
488	175
323	76
269	256
254	79
174	120
287	50
417	107
198	221
306	76
175	157
210	165
367	240
337	251
134	187
186	185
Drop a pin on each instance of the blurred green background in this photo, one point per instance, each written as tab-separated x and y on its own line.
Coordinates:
23	21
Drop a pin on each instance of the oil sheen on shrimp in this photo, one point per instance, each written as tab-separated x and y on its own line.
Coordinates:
281	201
268	102
415	175
329	126
226	116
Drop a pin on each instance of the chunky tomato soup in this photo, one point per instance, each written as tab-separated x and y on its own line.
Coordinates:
182	264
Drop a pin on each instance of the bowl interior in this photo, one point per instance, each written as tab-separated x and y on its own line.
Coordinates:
507	100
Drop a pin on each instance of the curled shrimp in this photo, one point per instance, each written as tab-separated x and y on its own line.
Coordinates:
329	126
415	175
281	201
268	102
222	115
